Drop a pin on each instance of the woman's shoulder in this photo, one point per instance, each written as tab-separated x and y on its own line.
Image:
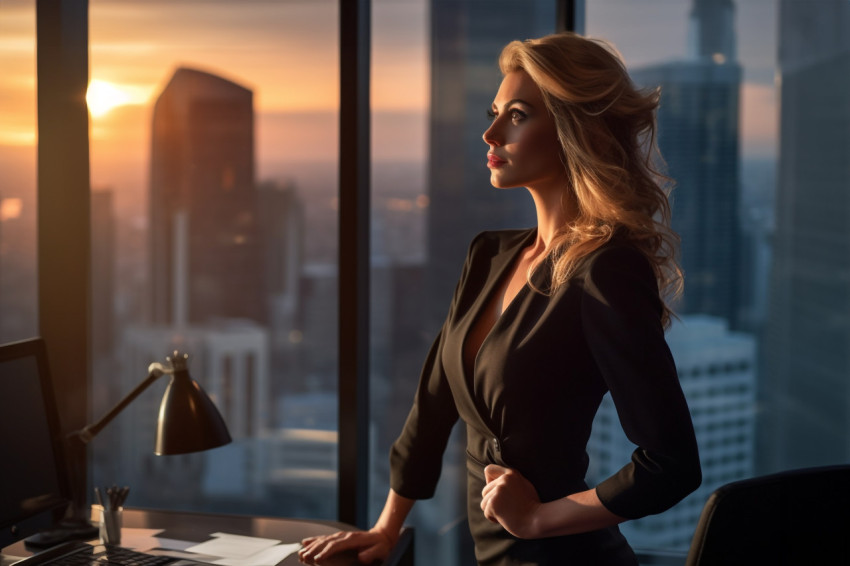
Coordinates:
618	250
617	260
620	275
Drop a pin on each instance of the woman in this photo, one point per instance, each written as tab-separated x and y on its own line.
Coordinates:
545	321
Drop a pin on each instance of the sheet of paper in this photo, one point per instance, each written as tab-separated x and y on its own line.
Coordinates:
173	544
182	554
267	557
232	546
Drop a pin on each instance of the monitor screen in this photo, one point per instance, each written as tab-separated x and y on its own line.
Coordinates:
33	486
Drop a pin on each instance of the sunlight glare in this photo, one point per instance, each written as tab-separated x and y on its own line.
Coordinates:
103	97
10	208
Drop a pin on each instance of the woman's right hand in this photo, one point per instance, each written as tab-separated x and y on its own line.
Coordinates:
370	546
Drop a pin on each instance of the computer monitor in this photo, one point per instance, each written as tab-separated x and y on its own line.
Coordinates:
34	489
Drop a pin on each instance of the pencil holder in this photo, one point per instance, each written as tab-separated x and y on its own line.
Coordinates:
111	520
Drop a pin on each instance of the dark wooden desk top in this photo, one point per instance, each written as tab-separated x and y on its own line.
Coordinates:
197	527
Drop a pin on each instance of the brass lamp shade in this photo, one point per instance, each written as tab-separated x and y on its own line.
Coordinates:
188	420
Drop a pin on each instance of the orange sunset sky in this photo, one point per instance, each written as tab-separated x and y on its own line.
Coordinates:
286	52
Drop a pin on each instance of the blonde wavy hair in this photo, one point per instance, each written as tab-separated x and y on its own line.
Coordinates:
607	131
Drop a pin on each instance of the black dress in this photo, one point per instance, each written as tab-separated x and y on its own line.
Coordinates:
537	383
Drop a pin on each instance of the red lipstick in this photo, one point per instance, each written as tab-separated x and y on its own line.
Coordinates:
494	162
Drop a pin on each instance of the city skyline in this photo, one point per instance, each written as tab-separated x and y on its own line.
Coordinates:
135	49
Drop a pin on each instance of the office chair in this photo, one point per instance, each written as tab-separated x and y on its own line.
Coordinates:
402	552
794	517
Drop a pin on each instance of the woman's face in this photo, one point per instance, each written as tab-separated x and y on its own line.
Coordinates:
523	139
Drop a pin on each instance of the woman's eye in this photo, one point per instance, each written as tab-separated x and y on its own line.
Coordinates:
517	116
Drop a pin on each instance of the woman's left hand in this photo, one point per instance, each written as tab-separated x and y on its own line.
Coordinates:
510	500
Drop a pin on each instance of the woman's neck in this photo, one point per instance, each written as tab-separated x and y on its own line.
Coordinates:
551	215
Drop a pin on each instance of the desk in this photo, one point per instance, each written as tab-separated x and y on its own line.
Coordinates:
198	526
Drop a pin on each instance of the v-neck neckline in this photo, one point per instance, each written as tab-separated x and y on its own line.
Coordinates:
509	258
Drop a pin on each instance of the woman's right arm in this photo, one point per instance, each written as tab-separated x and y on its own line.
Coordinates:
415	459
371	545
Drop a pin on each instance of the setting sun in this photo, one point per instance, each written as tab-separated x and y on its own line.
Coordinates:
10	208
103	97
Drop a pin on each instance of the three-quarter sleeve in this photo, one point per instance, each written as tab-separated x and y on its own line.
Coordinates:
621	318
416	457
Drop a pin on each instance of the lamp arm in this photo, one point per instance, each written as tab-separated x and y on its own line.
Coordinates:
87	433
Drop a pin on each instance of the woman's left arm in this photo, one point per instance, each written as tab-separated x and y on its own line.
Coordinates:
510	500
621	321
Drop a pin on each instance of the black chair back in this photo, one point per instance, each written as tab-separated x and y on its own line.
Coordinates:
796	517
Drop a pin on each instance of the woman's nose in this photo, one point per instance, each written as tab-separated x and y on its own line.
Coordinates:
491	136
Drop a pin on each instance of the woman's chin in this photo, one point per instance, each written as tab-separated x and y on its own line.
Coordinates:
498	181
498	184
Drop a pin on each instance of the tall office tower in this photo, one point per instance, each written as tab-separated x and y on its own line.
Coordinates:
804	386
698	135
103	276
18	270
281	218
105	390
282	226
717	369
466	39
206	245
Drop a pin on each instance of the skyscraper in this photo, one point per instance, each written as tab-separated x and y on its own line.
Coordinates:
206	245
698	135
466	39
805	388
103	275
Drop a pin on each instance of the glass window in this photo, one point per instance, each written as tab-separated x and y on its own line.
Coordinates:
18	271
213	166
717	123
753	125
435	73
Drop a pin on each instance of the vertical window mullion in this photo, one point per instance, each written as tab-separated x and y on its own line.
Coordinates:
570	16
63	209
354	263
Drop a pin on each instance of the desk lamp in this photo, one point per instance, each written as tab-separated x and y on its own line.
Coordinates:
188	422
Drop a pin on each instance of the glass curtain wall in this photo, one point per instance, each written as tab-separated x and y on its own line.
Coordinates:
18	269
435	73
753	125
714	63
214	136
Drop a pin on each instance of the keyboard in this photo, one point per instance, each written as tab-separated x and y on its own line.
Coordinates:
79	553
